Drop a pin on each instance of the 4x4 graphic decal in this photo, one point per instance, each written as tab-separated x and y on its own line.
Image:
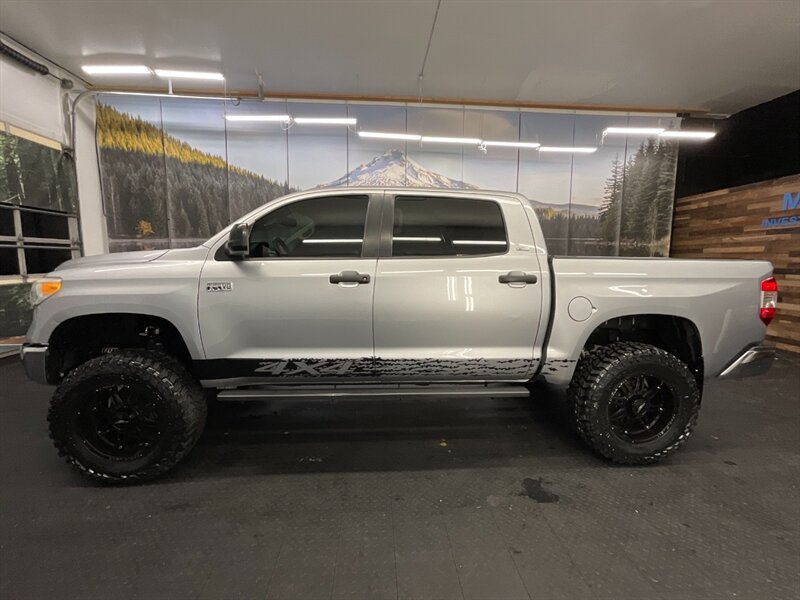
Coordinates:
328	368
314	368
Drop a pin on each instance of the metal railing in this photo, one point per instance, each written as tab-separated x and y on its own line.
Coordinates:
22	242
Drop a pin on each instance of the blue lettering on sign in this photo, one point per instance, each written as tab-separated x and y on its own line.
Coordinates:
780	222
790	202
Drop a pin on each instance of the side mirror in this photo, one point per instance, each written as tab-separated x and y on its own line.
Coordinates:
238	244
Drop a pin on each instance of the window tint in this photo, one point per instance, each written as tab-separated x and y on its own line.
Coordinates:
427	226
318	227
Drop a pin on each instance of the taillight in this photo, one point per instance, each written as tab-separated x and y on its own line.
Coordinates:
769	299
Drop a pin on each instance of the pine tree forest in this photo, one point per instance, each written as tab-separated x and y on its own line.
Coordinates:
36	175
638	199
157	188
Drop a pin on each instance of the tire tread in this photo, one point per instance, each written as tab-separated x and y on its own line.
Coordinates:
593	366
163	372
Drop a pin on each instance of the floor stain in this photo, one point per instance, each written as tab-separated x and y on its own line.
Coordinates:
532	488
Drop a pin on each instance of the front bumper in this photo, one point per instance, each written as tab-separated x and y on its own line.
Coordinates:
755	360
34	359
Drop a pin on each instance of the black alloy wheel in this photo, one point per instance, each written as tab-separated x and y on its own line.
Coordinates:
121	421
641	409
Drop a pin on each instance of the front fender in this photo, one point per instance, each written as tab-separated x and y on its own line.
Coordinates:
165	289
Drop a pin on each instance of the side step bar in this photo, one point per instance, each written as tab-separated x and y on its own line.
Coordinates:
336	391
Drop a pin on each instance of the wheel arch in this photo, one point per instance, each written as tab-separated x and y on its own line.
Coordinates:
82	337
673	332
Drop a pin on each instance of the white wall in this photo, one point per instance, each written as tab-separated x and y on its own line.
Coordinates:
34	102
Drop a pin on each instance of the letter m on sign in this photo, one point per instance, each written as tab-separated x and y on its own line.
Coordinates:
789	202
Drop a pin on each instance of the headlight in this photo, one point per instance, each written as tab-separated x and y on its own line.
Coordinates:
44	288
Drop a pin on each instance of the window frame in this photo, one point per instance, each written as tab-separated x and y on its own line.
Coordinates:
21	242
369	247
387	225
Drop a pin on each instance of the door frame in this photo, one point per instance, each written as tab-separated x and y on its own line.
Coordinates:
405	366
318	370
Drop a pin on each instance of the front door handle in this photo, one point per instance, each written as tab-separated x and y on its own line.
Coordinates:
518	277
349	277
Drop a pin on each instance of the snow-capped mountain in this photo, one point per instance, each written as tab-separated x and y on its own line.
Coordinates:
395	169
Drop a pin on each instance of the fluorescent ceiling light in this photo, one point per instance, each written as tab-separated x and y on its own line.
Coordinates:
417	239
332	241
689	135
389	136
480	242
170	74
633	130
263	118
449	140
513	144
116	70
178	96
577	149
326	120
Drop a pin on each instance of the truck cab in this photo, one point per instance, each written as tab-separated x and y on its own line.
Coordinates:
385	285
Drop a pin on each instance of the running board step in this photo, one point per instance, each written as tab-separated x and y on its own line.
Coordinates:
312	392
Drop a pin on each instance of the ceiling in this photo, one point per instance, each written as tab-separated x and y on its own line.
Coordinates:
717	56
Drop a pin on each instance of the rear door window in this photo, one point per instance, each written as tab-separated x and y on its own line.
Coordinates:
434	226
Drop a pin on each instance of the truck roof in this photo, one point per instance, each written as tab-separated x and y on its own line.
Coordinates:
455	192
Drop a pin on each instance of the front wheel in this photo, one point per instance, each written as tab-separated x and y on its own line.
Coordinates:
126	416
633	403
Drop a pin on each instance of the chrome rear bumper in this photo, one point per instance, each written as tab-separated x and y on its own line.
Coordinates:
755	360
34	360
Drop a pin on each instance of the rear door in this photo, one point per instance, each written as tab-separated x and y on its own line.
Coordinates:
455	298
299	307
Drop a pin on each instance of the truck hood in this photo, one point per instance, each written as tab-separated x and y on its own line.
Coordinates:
117	258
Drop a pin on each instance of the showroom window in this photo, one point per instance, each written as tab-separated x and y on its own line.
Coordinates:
432	226
326	227
38	221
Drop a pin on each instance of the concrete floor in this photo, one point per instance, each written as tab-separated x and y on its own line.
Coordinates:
479	499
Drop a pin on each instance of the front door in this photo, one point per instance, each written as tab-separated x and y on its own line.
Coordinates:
444	308
299	307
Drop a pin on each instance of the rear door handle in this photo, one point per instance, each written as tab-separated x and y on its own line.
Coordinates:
518	277
349	277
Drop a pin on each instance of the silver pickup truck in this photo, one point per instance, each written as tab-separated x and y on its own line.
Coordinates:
374	292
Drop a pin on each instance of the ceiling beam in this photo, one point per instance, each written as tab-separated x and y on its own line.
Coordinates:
488	102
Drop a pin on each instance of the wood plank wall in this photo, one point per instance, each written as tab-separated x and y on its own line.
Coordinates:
729	224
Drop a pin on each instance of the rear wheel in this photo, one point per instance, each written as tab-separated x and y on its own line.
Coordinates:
126	416
633	403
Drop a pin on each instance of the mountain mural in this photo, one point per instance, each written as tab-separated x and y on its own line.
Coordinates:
161	190
394	169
